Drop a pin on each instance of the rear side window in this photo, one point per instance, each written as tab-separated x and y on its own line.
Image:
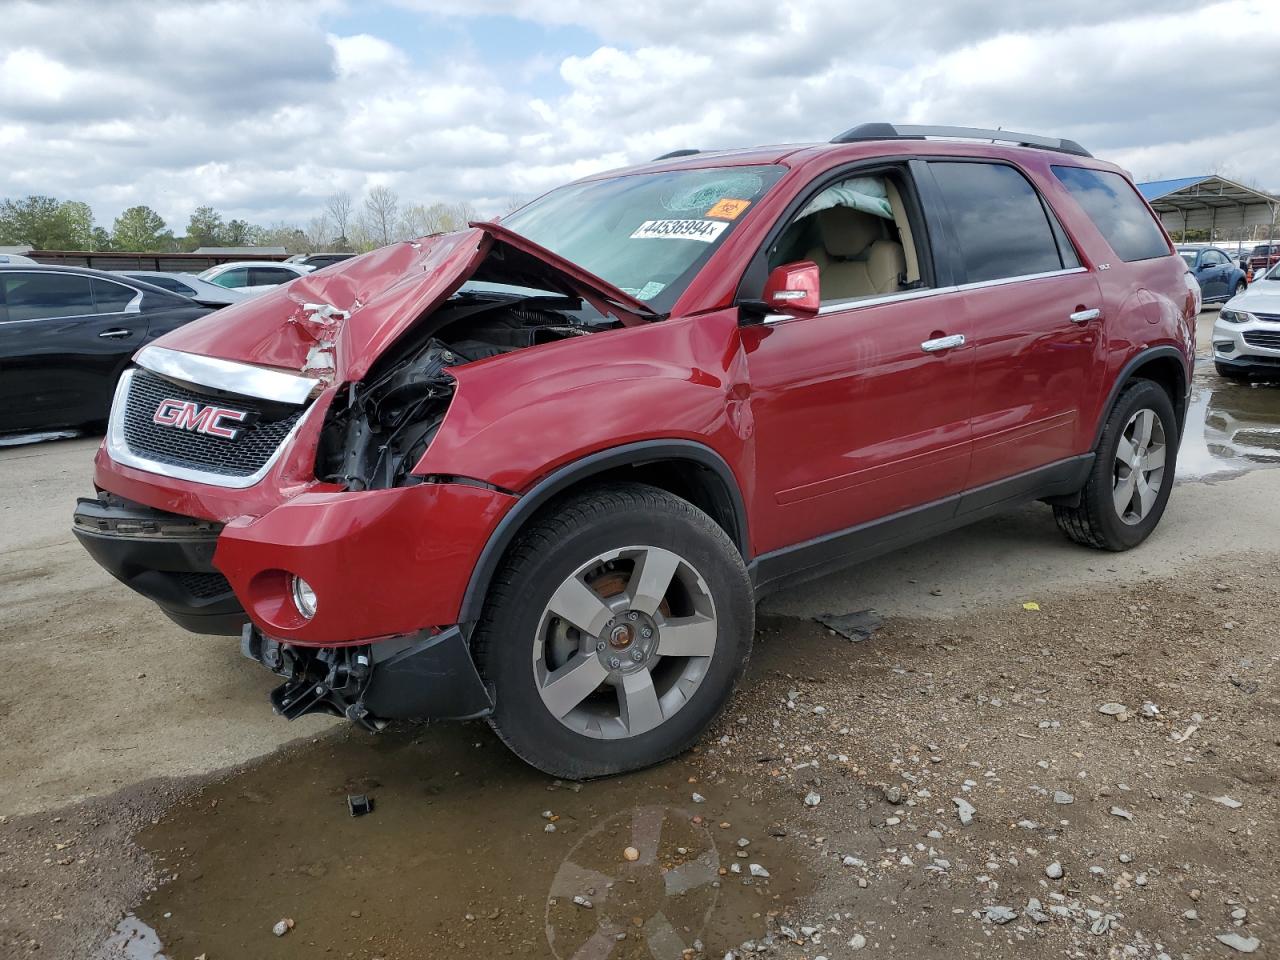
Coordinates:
36	296
1117	211
112	297
269	276
1000	223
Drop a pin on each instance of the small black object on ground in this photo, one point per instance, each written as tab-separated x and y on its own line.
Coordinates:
857	626
359	804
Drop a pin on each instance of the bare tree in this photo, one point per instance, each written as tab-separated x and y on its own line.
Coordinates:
380	208
318	232
421	221
338	209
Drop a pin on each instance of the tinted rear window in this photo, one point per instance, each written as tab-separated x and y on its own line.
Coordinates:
1117	211
1000	224
112	297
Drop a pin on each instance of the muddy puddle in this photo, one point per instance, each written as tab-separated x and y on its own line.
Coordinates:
456	859
1231	428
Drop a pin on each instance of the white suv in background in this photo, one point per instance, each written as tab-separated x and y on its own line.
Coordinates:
1246	335
253	276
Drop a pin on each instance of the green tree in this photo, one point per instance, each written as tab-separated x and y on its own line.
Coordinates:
205	229
140	228
235	234
77	217
39	221
101	239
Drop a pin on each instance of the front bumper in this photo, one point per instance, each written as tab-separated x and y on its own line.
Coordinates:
1253	346
166	557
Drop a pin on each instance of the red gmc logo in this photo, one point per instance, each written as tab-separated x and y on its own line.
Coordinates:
188	415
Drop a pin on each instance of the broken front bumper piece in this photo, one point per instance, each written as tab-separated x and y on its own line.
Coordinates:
422	676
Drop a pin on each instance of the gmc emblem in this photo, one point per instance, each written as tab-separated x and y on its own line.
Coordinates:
188	415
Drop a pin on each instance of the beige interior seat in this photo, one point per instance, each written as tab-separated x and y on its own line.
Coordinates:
855	258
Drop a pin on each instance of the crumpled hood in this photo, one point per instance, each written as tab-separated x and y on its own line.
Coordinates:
334	324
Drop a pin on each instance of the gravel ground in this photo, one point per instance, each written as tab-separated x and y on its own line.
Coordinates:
1092	832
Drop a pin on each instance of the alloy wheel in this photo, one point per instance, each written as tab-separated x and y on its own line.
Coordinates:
1138	471
623	642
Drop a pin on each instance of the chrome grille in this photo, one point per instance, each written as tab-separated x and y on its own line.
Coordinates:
241	457
1267	317
1269	339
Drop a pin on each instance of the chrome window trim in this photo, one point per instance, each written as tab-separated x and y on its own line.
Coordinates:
118	448
841	306
1001	281
228	375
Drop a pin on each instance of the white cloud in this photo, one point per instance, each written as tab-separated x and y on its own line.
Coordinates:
262	109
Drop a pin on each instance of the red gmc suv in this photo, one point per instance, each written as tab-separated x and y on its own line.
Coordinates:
539	470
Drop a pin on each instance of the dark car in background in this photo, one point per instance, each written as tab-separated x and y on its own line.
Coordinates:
318	261
1262	256
1219	277
67	333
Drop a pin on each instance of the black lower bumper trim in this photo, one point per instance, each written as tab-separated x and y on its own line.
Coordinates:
166	557
422	676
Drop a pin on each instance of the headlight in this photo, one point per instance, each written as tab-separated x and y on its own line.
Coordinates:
1235	316
304	598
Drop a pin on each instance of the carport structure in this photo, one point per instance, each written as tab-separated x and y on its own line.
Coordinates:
1210	203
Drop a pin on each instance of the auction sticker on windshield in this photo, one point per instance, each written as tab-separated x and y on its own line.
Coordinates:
705	230
728	208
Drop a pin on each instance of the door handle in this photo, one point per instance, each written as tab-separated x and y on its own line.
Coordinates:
115	334
943	343
1084	316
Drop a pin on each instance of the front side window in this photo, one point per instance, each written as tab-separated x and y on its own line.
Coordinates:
237	277
646	233
1212	258
1117	211
857	231
36	296
1000	224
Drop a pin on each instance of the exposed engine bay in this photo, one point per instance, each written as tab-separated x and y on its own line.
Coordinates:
380	428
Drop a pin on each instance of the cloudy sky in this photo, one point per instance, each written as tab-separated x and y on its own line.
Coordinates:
262	109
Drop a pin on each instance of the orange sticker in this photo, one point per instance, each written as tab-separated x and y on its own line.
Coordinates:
728	209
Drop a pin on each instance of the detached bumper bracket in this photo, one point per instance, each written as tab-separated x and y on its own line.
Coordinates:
422	676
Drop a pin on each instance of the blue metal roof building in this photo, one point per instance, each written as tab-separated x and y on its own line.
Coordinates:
1211	203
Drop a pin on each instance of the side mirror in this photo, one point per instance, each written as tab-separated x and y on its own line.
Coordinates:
791	289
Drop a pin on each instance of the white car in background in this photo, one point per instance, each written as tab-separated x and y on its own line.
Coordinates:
253	276
1246	335
188	285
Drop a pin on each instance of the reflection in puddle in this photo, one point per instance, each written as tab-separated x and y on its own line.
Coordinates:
1231	427
457	860
131	940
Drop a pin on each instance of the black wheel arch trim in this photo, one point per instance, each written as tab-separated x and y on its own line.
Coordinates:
564	477
1126	374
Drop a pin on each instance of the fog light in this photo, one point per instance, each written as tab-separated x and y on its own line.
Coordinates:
304	598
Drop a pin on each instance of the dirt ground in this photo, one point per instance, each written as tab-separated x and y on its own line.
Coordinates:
147	788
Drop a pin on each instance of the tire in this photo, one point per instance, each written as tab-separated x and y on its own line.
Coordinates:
1241	286
1230	373
1105	519
609	719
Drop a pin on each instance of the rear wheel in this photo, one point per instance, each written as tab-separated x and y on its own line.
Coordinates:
614	632
1132	473
1240	288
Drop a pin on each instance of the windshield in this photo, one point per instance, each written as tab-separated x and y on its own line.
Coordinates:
647	233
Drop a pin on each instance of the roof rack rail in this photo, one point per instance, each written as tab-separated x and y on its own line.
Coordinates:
890	131
675	153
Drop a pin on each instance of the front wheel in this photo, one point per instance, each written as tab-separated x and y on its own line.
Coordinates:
1132	472
614	632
